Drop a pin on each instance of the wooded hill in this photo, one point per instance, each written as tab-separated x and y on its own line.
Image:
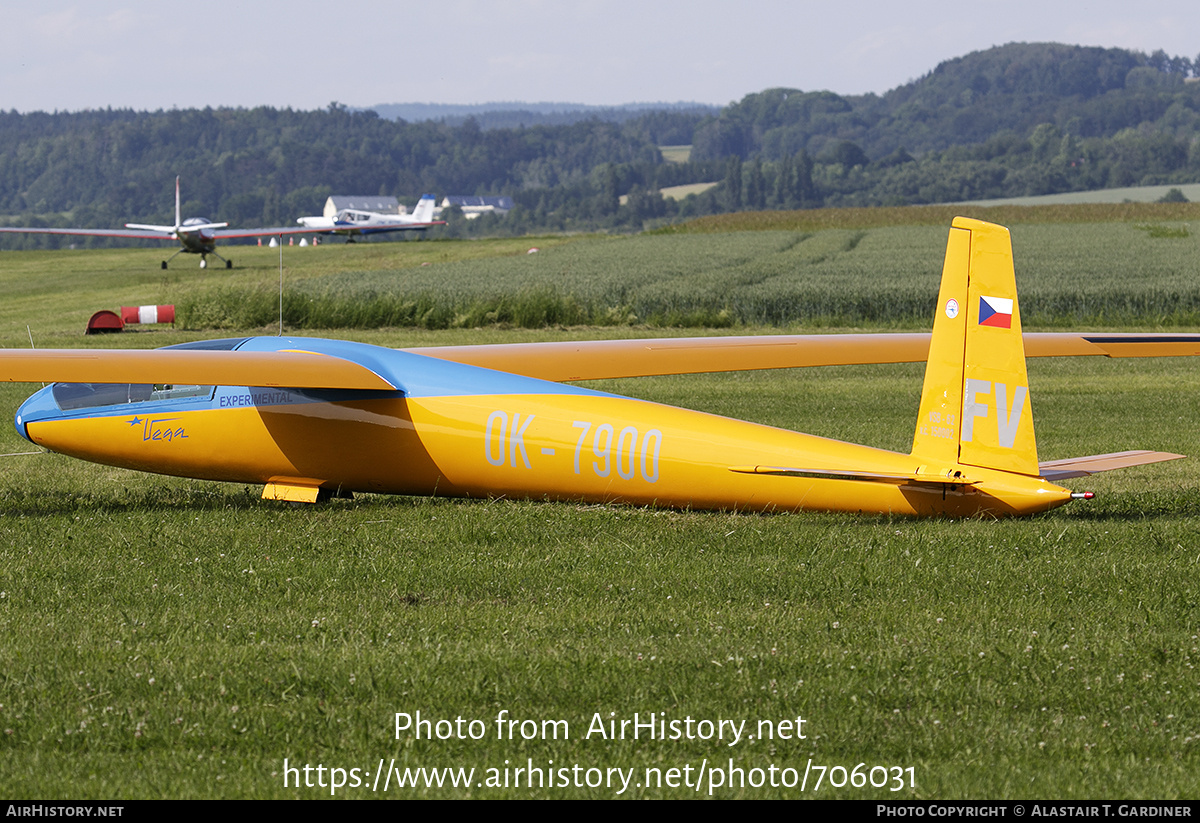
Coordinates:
1014	120
1085	92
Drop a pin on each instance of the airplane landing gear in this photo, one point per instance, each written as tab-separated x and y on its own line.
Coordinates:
204	260
172	257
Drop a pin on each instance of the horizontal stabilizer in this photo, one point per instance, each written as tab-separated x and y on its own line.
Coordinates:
957	479
151	227
1055	470
188	229
196	227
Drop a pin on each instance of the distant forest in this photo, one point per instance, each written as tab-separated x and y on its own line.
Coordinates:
517	115
1020	119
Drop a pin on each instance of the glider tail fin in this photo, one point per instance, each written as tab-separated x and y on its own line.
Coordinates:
975	407
178	219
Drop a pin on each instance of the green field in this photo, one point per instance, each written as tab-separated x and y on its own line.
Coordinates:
1115	273
680	192
1128	194
676	154
175	638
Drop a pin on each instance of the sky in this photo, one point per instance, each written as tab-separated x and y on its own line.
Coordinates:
57	55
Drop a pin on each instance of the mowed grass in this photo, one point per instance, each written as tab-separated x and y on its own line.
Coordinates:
177	638
174	638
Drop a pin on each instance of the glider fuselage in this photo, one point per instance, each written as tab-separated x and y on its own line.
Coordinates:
459	430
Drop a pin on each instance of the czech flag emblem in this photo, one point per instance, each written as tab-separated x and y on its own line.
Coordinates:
996	312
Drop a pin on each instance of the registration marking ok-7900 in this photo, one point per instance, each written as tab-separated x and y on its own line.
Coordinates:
626	452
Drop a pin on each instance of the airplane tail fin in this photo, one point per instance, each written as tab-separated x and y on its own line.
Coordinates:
423	213
178	217
975	407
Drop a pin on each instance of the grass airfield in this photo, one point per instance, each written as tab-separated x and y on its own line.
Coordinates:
175	638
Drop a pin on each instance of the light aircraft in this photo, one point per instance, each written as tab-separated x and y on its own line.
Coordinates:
313	418
354	222
196	235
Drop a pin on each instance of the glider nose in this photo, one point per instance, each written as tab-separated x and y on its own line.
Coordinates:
39	406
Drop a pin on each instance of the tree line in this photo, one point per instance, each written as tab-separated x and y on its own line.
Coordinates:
1016	120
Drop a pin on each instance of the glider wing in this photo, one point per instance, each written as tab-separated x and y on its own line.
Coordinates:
133	234
291	369
603	359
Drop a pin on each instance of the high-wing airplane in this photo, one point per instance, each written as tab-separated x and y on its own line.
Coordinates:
355	222
312	418
196	235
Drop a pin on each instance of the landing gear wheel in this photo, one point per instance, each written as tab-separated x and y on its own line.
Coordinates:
229	264
164	265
